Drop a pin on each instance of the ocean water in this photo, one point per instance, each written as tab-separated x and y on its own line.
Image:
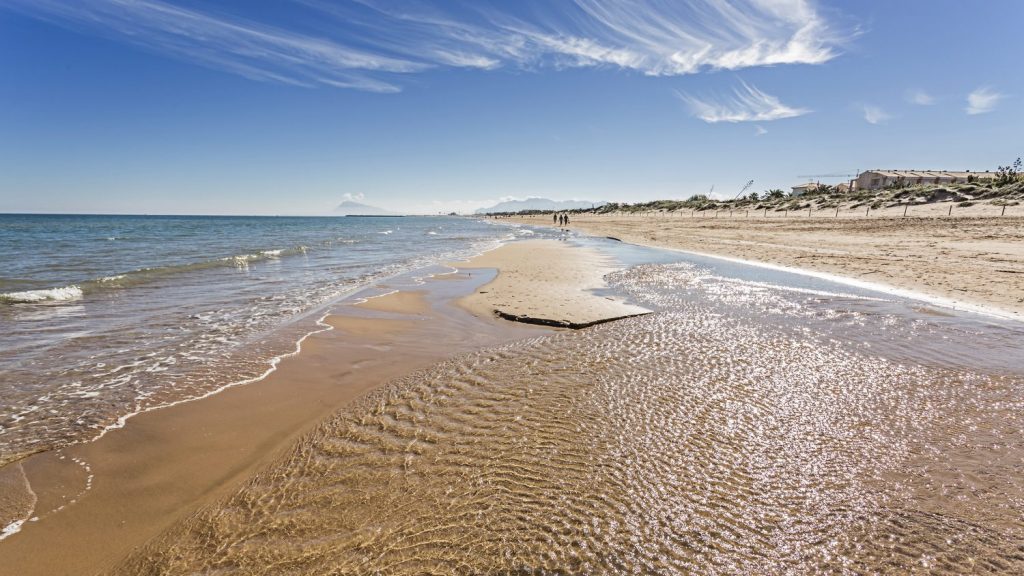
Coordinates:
104	316
758	422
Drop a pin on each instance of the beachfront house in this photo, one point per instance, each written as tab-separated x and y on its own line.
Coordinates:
801	189
877	179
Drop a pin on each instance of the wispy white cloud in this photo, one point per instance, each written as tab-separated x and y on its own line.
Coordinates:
746	104
920	97
983	100
875	115
235	45
671	38
357	197
365	44
760	130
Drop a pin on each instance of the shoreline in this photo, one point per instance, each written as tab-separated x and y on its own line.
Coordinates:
909	268
165	463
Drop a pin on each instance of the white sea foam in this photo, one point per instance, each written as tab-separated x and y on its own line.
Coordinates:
114	278
323	326
14	527
50	294
11	529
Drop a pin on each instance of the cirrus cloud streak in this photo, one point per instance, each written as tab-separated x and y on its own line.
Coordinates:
369	45
746	104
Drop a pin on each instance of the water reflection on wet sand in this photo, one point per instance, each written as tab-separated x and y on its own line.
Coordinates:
742	429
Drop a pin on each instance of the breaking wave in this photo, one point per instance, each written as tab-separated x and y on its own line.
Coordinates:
143	276
62	294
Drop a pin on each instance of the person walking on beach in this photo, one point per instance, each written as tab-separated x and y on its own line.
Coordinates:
554	218
566	219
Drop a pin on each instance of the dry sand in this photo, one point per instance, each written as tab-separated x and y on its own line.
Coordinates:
976	261
547	282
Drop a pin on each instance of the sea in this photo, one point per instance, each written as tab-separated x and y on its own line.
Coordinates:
102	317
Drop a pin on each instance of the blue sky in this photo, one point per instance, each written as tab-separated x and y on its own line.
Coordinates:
289	107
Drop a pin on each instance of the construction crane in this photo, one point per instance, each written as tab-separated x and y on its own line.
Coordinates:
828	175
745	188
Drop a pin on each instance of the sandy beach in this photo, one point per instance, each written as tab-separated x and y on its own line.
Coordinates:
977	260
754	429
104	498
425	433
429	288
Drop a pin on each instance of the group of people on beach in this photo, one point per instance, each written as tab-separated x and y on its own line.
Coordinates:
561	219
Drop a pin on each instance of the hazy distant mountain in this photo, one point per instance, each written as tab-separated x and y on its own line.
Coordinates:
539	204
350	208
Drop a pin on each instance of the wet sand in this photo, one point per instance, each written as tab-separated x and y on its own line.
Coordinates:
966	259
412	302
743	428
102	499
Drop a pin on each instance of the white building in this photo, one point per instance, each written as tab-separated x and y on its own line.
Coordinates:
801	189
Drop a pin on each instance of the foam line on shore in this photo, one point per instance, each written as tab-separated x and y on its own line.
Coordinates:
365	299
122	420
14	527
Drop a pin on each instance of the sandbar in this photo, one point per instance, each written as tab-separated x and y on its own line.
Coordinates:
547	282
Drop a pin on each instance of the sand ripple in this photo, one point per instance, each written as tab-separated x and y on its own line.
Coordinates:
692	440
